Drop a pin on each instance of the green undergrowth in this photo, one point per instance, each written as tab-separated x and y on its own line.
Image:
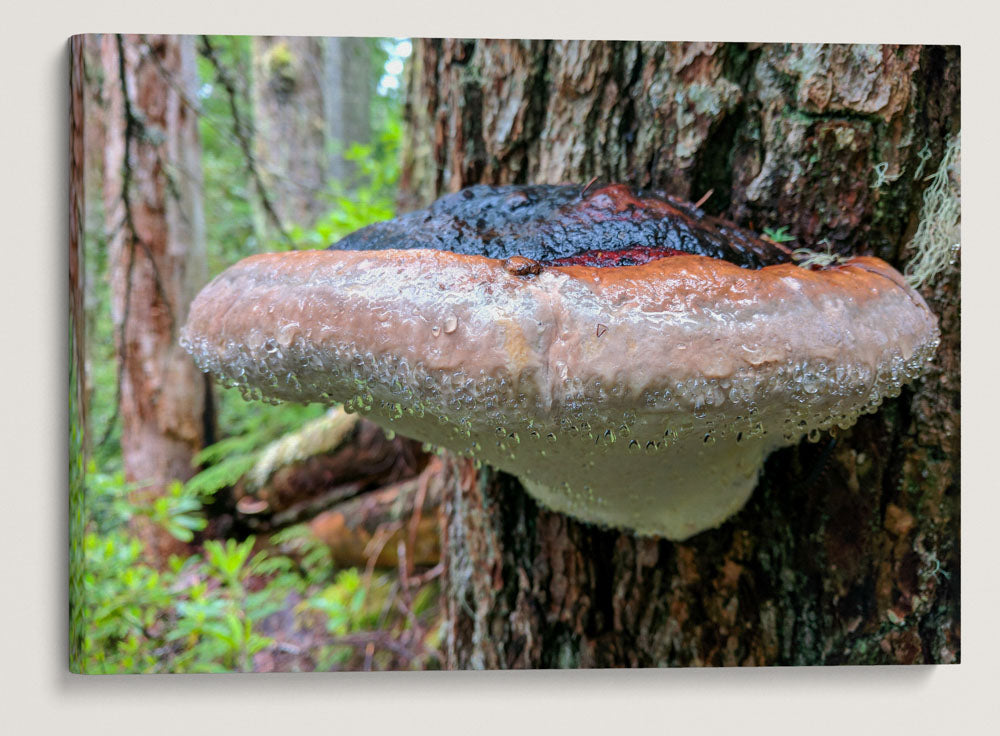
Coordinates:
368	198
208	612
250	427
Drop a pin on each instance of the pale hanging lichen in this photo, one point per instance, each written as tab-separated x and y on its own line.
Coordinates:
924	154
882	176
807	258
937	240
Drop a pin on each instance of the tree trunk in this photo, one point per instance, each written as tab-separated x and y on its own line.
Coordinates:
290	142
310	103
848	551
153	211
347	67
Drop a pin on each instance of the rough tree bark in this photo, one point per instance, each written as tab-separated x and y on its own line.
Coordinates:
310	99
154	217
848	551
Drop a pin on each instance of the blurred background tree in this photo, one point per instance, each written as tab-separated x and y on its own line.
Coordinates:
311	103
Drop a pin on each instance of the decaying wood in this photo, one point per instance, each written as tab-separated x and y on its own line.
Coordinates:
367	530
301	486
848	551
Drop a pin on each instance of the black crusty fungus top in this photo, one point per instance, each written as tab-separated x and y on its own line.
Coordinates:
613	225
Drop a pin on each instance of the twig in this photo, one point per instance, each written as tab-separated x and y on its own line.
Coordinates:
404	602
404	578
704	198
374	548
240	128
590	183
418	504
314	506
381	638
426	576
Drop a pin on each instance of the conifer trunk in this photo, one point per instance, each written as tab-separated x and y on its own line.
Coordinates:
848	551
311	102
290	143
156	229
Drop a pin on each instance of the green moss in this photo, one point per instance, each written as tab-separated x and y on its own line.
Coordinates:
280	60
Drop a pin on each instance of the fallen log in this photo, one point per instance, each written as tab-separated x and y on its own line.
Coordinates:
325	462
368	528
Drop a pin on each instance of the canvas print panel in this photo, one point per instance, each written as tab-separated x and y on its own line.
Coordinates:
441	353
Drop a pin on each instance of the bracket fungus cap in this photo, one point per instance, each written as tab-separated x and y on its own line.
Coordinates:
644	397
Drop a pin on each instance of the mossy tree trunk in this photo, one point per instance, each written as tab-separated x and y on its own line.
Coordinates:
311	102
848	551
290	142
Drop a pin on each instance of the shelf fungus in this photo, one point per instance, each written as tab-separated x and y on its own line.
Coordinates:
631	360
